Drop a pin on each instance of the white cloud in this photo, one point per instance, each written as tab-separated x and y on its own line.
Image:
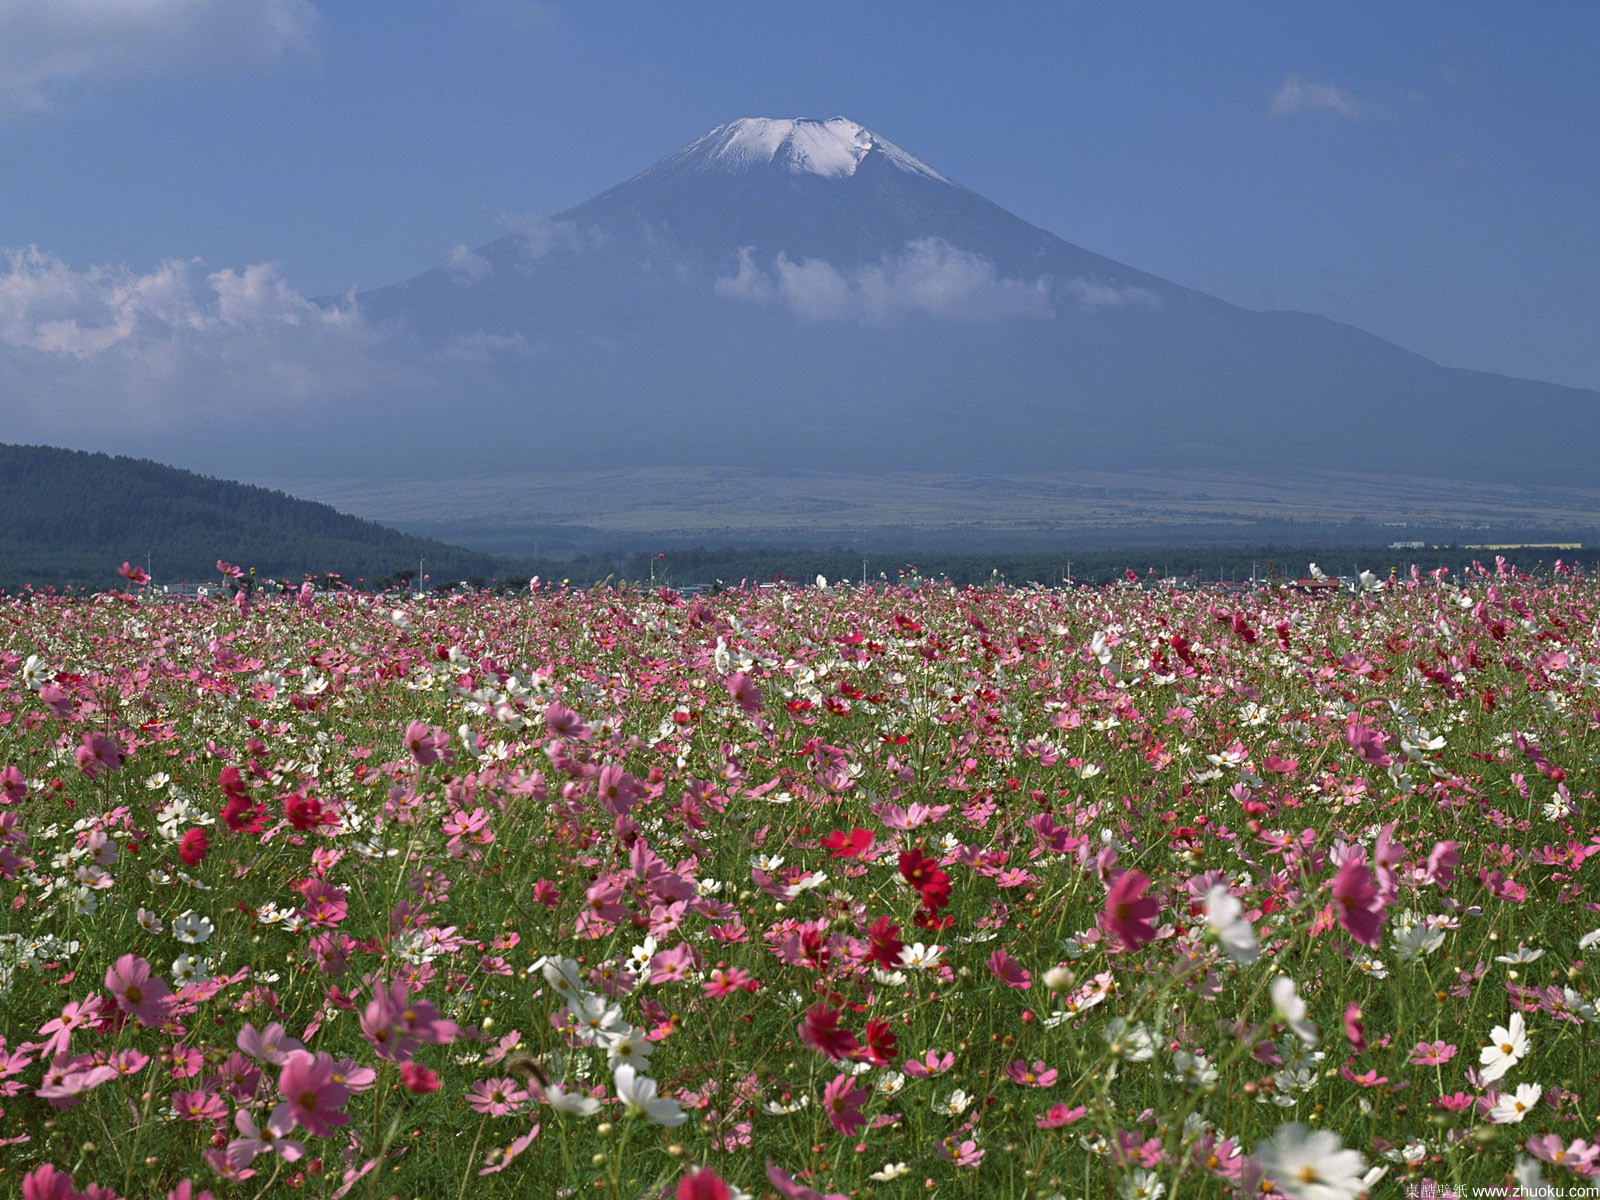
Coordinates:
1297	95
1091	293
115	350
750	282
480	346
49	45
538	234
930	277
465	266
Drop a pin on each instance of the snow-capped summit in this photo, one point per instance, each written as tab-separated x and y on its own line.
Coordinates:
831	149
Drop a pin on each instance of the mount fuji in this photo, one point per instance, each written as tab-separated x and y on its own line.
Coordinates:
799	294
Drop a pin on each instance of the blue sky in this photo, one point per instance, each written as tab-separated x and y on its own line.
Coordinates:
1427	171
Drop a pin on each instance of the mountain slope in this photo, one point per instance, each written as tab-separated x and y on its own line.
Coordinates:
72	517
807	294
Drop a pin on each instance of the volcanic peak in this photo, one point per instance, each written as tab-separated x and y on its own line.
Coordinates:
832	149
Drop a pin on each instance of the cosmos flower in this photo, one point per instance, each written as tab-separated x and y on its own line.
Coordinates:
1508	1045
1311	1164
638	1092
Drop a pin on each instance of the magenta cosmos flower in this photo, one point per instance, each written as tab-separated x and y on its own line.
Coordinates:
842	1101
1356	902
315	1096
137	994
1128	910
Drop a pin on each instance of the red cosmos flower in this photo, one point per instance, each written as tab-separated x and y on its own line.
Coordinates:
417	1078
923	873
820	1031
1128	910
884	943
881	1043
855	844
304	812
194	847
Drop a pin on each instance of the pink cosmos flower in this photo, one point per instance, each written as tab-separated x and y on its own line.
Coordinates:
315	1097
74	1015
1356	901
496	1097
1038	1075
1009	971
842	1101
1368	744
1432	1054
962	1153
790	1190
1128	910
1353	1029
743	689
1579	1157
501	1158
270	1045
428	743
145	999
617	790
274	1136
1442	863
98	753
1059	1115
47	1183
200	1106
931	1064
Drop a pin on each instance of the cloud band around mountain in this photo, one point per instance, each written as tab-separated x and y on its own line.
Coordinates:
930	277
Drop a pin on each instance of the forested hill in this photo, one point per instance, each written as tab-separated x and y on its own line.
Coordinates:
67	517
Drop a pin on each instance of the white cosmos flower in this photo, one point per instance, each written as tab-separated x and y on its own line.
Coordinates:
1510	1108
921	957
1311	1165
626	1045
1223	915
596	1017
1522	954
563	974
891	1171
638	1092
189	968
1286	1000
955	1104
1508	1045
558	1098
192	929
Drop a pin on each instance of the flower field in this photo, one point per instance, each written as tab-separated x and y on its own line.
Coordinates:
802	892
